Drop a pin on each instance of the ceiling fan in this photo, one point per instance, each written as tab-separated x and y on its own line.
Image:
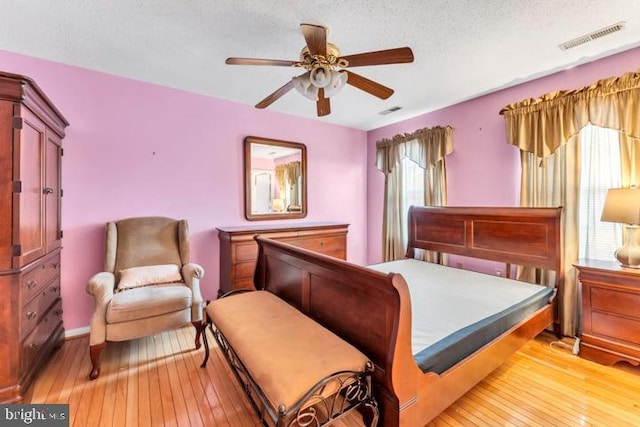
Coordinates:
326	71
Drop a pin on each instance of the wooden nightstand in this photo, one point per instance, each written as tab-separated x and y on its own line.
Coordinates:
610	312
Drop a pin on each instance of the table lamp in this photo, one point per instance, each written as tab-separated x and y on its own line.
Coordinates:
623	205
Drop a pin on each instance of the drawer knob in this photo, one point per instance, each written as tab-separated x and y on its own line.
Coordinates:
31	284
58	312
47	190
32	315
33	345
55	265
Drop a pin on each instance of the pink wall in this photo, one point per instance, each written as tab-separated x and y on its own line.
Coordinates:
139	149
483	169
136	149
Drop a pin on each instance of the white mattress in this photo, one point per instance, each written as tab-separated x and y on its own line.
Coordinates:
445	300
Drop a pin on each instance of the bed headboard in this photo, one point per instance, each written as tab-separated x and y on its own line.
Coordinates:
512	235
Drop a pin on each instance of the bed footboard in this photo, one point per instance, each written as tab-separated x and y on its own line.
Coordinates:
366	308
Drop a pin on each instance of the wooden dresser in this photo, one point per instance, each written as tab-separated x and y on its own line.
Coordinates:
610	312
238	250
31	132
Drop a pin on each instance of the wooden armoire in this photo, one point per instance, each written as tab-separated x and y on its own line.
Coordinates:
31	132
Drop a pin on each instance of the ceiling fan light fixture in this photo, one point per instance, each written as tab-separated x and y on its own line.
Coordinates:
320	76
325	69
302	84
338	81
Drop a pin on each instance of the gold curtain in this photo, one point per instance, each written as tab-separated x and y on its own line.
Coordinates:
555	182
280	180
545	129
288	174
542	125
427	148
293	173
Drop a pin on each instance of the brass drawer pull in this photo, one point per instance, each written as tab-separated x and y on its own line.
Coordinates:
47	190
31	284
58	312
32	315
33	345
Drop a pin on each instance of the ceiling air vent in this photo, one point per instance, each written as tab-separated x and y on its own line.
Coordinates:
390	110
592	36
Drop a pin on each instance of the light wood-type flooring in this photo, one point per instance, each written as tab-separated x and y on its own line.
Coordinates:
157	381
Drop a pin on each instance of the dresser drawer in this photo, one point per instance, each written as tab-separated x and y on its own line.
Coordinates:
616	301
322	244
619	328
37	341
246	283
246	251
35	279
244	270
34	310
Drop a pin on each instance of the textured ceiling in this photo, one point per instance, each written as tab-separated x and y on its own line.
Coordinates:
462	48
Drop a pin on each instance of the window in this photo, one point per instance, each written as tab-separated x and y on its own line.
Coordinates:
599	170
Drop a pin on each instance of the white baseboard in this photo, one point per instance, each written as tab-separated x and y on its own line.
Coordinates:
72	333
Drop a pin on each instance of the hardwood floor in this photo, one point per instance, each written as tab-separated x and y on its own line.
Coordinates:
158	381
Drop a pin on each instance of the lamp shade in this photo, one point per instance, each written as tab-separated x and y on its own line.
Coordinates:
320	76
338	80
622	205
303	85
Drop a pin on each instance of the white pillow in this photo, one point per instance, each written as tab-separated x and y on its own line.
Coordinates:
151	275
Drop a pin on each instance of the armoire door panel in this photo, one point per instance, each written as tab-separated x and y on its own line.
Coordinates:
30	199
52	192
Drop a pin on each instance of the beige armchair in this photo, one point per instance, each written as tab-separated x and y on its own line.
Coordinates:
148	284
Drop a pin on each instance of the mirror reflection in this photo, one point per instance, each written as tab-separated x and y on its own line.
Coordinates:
275	181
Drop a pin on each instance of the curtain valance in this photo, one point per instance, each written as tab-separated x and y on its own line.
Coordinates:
543	124
425	146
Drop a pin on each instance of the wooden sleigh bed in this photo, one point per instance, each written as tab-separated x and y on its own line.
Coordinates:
373	310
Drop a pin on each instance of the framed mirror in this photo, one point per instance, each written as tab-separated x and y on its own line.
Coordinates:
275	179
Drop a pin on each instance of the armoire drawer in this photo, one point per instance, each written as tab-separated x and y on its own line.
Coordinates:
34	310
35	279
36	342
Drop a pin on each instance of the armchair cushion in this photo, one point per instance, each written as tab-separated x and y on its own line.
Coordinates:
150	275
147	302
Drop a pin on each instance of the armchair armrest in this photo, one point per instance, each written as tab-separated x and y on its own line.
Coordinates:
101	286
192	273
192	270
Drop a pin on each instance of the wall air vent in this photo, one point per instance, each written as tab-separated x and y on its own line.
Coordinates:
592	36
390	110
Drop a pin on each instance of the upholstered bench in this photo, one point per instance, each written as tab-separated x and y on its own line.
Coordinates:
295	371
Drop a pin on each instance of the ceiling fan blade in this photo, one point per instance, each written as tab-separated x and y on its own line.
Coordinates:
323	105
256	61
390	56
369	86
275	95
316	38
